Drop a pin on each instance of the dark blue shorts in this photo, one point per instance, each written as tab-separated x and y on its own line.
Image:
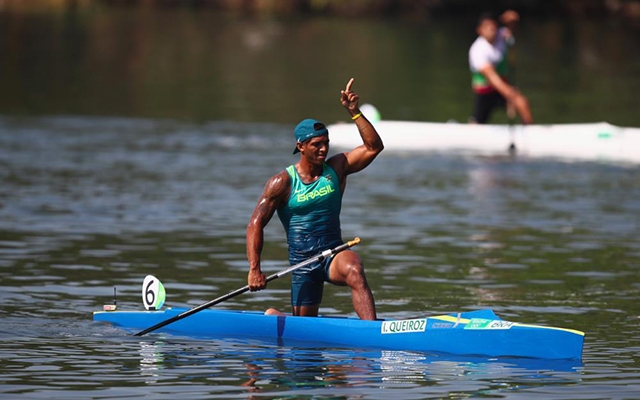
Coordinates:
485	104
307	284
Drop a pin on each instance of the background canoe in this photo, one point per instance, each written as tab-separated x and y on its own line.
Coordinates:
591	142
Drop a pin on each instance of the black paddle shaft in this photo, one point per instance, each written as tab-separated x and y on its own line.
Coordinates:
211	303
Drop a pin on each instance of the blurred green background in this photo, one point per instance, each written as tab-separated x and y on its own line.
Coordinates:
282	60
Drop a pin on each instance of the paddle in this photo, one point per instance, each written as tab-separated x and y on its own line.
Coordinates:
319	257
511	120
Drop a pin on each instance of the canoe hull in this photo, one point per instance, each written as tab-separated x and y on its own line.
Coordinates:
587	142
474	333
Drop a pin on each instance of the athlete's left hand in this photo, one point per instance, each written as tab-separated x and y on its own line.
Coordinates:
349	98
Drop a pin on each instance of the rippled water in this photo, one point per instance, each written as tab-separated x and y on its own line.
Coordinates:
89	204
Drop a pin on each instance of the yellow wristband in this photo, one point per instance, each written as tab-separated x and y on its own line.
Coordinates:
355	117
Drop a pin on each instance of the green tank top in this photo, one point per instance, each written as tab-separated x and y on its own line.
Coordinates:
311	216
480	83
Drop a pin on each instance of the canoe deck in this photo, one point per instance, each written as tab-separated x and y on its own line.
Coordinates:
587	142
470	333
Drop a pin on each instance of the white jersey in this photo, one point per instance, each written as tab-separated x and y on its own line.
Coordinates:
483	53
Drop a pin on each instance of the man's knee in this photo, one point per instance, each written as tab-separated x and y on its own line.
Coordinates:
274	311
354	275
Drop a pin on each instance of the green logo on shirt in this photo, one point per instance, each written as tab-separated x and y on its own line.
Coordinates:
323	191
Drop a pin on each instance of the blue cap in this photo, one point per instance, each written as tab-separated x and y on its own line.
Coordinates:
307	129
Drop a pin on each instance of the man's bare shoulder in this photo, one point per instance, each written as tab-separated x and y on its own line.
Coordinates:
338	163
278	185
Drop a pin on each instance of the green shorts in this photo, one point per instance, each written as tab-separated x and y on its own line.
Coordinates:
307	284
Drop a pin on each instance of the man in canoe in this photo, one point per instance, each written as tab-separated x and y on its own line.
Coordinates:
489	69
308	198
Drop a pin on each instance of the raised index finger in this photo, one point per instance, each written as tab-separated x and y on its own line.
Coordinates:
349	85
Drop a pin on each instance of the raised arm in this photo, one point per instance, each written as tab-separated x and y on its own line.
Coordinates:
510	19
275	193
358	158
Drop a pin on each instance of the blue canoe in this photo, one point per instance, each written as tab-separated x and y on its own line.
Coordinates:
479	333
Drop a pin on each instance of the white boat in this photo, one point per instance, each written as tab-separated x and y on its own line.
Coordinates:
587	142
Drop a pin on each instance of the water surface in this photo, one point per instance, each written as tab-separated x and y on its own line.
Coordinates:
89	204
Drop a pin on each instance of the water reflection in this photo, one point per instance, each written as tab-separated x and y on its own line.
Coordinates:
151	361
265	369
